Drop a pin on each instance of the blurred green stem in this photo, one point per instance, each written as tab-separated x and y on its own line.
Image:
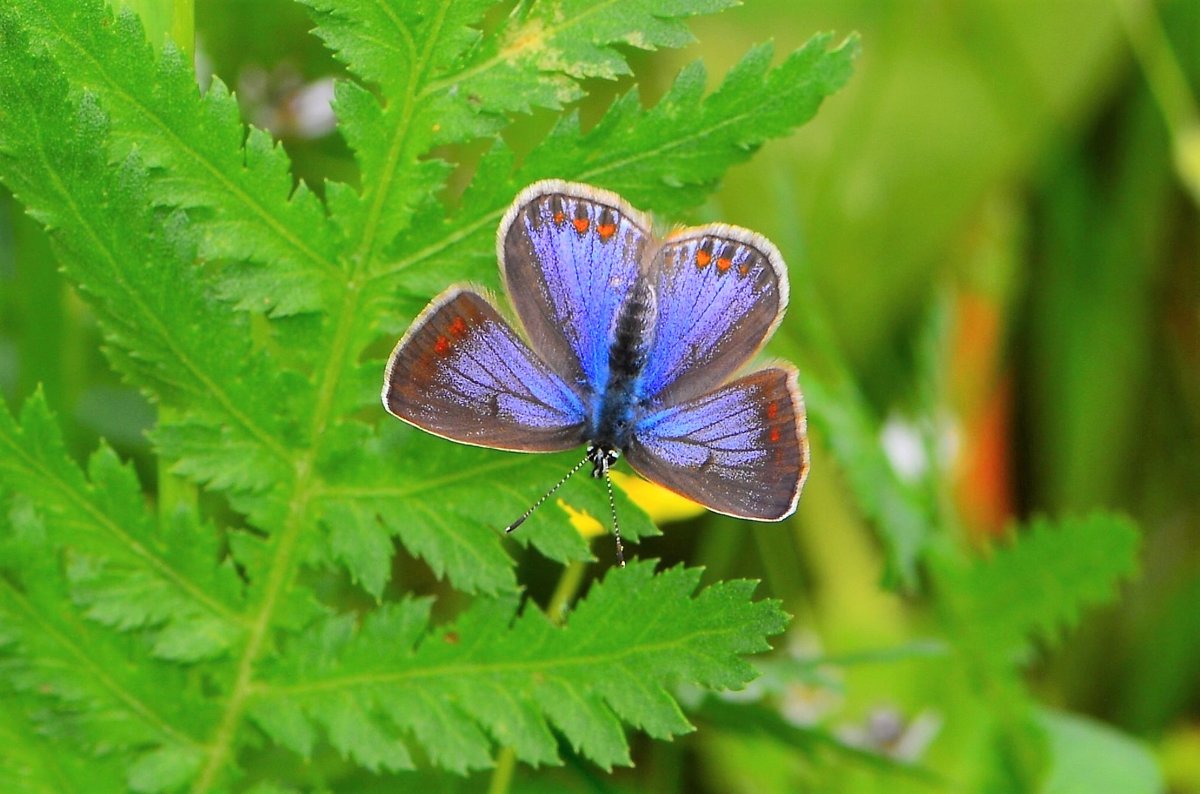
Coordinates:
717	552
780	561
564	592
1168	84
506	764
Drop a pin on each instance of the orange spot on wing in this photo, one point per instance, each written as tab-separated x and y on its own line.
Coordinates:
458	327
606	230
581	225
441	346
743	268
703	258
772	409
774	434
723	264
559	218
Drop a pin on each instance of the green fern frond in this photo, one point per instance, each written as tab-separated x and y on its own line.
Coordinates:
425	493
1040	583
138	268
664	159
122	569
241	184
92	691
511	677
434	55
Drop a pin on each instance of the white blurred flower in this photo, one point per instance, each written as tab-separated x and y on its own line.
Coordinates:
903	442
280	101
905	449
806	705
808	702
886	732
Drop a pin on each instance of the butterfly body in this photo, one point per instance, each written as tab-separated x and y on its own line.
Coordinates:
618	402
632	347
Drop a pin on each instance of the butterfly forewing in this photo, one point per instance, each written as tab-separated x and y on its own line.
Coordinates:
721	293
569	255
461	372
739	450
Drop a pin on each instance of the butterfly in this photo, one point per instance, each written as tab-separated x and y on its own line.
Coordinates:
630	346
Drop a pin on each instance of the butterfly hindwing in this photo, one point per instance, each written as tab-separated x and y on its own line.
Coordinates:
569	255
739	450
462	373
721	292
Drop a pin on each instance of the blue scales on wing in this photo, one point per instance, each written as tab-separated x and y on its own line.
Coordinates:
721	292
569	255
462	373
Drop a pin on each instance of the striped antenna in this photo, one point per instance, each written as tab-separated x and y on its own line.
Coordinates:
547	495
612	508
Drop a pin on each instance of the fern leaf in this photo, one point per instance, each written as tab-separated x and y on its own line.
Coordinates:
256	214
664	159
434	54
549	47
668	158
512	676
398	44
425	492
165	331
123	570
29	764
96	693
267	412
1040	583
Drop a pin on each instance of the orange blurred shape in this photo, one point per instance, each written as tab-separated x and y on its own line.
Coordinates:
983	399
984	488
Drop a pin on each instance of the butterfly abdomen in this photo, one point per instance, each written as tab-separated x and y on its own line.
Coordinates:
613	428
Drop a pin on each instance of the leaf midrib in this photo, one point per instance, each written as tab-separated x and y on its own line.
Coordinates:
282	564
457	670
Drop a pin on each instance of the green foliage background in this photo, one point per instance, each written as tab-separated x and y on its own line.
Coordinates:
221	568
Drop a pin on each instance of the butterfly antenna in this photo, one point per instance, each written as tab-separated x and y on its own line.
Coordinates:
612	508
545	496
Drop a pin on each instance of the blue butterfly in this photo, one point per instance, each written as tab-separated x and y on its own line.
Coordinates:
631	345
